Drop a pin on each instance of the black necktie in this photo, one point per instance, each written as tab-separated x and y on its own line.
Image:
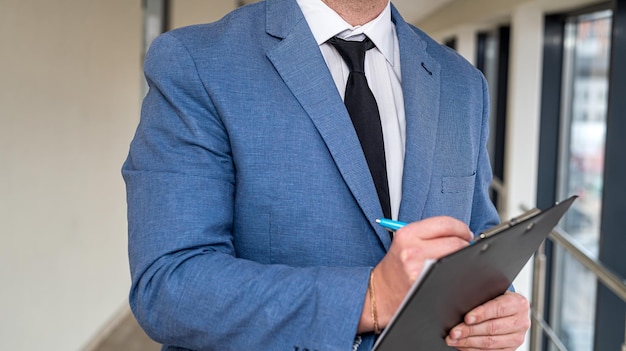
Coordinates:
363	110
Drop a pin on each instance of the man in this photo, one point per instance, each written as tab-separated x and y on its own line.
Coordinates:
251	206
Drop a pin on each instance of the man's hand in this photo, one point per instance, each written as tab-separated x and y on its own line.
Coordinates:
499	324
412	245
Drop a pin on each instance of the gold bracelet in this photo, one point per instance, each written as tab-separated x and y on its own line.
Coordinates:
370	290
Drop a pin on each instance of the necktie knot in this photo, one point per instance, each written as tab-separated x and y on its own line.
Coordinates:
352	52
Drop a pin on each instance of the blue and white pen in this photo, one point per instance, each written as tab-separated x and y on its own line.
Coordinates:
390	224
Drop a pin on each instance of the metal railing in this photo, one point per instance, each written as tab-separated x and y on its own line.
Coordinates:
501	194
604	275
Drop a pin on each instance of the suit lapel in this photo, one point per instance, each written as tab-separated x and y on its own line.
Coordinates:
299	61
420	86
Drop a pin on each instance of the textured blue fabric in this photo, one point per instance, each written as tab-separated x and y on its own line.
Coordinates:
251	209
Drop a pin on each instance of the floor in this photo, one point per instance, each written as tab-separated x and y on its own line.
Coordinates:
128	336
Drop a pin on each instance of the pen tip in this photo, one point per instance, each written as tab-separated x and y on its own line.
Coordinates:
378	220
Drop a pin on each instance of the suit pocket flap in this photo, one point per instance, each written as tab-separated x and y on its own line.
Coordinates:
458	184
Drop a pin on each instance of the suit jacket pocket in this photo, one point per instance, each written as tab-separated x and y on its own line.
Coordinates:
453	185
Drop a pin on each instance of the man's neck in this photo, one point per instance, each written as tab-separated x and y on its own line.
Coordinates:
357	12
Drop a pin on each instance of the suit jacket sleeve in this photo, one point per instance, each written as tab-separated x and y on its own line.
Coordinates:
189	288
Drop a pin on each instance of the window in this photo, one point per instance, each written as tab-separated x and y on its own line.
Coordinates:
581	151
587	40
492	58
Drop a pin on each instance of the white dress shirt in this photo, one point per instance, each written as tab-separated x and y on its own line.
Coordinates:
382	69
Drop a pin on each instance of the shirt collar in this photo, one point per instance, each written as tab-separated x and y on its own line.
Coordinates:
325	23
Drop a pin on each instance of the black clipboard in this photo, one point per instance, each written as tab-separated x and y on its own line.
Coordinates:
455	284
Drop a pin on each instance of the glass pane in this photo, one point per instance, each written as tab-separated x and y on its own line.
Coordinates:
489	46
585	87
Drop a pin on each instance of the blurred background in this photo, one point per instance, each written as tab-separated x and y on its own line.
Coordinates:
71	86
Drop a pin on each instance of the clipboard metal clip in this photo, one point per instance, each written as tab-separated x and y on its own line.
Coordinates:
505	225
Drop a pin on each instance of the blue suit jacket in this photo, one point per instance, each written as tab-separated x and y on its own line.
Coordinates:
251	208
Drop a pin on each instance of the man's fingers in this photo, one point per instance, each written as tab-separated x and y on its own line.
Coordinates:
503	326
432	249
502	306
412	246
500	334
498	324
497	342
428	239
437	227
413	258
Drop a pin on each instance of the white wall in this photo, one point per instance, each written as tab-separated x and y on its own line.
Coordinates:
522	133
69	101
187	12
